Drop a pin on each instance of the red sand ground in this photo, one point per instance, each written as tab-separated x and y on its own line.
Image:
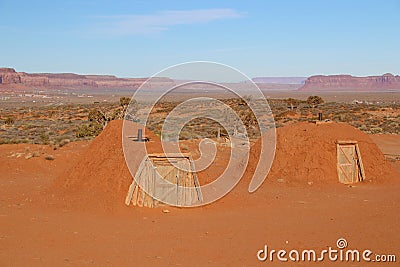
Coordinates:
79	228
390	145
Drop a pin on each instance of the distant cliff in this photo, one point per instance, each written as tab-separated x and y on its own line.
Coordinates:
279	80
386	82
9	76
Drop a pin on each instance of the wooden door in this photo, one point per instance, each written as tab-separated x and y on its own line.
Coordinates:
347	157
157	177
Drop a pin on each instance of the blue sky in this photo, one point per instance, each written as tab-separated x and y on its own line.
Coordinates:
260	38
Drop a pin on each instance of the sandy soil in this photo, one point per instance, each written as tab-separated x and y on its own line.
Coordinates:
390	145
35	231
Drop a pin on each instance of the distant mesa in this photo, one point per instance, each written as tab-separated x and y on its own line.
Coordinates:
280	80
386	82
9	77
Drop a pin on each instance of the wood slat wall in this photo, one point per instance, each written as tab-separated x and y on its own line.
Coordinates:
153	175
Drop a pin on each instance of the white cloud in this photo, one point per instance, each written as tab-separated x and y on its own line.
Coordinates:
121	25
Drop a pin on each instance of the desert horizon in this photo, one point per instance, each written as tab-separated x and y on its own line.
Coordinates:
10	79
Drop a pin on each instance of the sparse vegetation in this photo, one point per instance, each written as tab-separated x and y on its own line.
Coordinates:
57	126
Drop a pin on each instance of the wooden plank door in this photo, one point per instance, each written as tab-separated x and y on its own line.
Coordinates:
347	163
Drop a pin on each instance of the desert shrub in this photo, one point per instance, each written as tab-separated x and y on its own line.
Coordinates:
44	138
292	102
9	121
355	108
124	101
314	100
13	141
376	130
130	112
63	142
390	126
88	130
3	141
342	117
248	118
97	116
363	127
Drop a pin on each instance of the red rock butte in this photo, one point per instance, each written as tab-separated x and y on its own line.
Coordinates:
386	82
9	77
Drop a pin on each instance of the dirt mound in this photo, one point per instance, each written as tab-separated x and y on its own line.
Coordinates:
306	153
101	177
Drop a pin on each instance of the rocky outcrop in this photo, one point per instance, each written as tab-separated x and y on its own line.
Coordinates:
386	82
10	77
34	80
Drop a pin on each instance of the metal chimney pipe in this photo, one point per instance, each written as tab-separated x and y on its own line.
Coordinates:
139	135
